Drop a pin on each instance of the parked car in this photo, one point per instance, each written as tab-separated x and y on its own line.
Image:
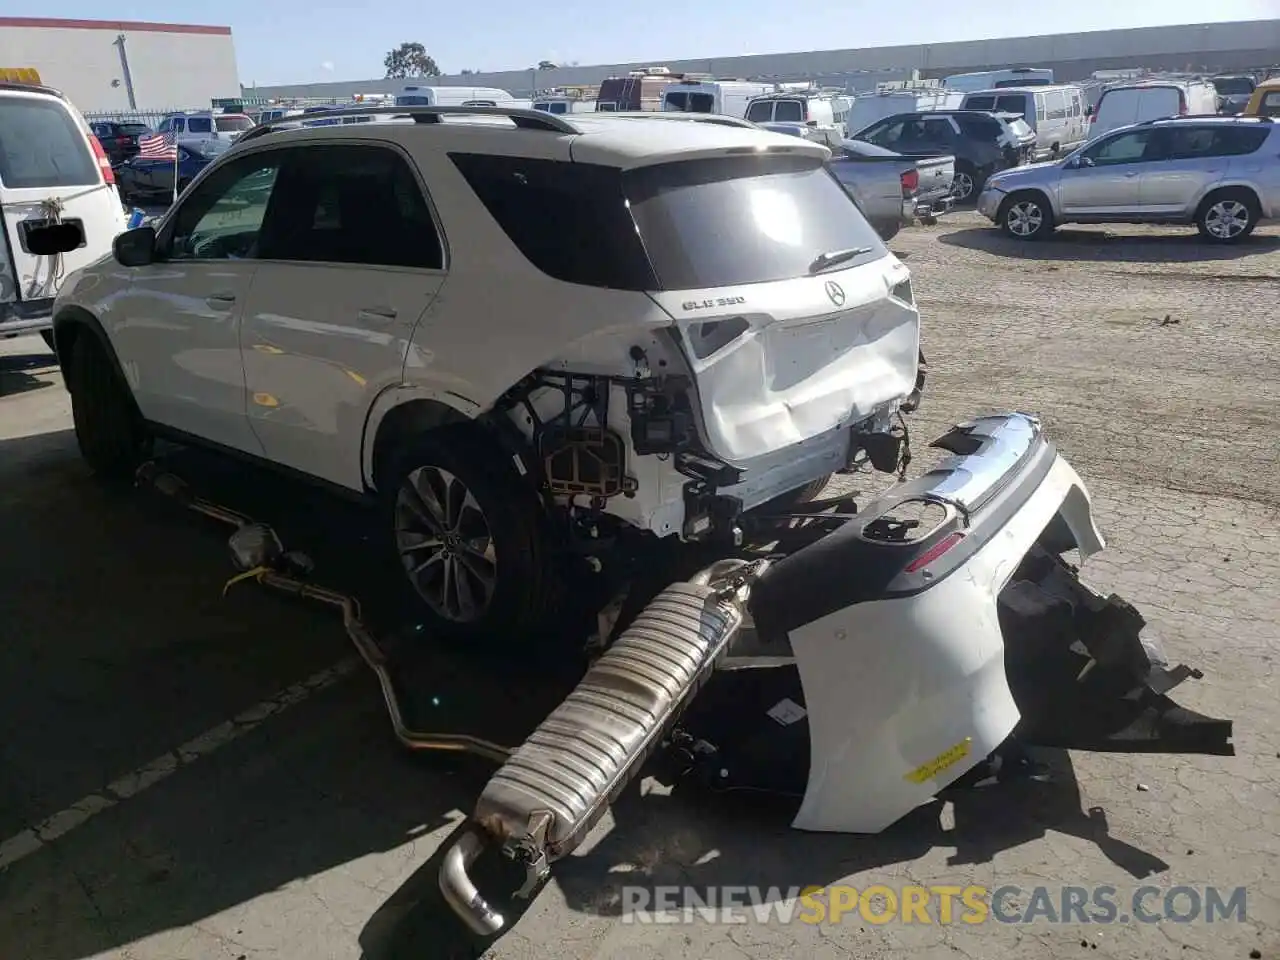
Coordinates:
1265	101
1058	114
659	373
893	190
1234	92
981	142
1125	103
1220	173
59	209
119	138
143	179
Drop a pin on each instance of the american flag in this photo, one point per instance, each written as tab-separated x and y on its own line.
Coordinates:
158	146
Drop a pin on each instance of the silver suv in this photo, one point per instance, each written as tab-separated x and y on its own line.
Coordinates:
1220	173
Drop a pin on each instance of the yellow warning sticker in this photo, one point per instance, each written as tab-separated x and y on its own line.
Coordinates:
948	758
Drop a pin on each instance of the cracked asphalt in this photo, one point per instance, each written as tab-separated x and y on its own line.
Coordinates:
187	775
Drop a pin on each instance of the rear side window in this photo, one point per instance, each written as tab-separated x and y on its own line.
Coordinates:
569	220
1238	141
747	219
41	145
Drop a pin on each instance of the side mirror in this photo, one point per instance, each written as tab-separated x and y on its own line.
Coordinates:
51	239
136	247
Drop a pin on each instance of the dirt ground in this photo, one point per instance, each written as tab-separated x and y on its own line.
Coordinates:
191	776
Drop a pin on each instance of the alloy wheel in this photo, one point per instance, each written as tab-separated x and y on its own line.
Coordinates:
1025	218
962	185
445	544
1226	219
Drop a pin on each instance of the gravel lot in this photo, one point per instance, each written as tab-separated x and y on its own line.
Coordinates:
300	830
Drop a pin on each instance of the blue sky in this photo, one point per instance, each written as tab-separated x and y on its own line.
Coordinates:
296	41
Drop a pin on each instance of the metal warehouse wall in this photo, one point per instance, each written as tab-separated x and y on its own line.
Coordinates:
1216	46
170	65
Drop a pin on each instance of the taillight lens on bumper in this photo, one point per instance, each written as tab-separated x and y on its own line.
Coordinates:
910	182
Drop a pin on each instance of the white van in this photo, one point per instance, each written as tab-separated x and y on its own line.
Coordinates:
1058	114
999	79
1126	103
728	98
563	105
419	96
827	113
59	209
198	128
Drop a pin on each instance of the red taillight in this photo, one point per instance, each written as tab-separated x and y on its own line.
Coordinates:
934	552
910	182
104	162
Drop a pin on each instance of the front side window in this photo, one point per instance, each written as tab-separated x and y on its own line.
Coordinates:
221	219
1125	148
347	203
749	219
887	133
41	145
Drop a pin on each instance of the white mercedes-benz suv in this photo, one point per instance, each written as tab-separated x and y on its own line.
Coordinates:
530	337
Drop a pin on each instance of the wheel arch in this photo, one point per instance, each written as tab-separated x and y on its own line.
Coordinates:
1220	188
70	323
400	412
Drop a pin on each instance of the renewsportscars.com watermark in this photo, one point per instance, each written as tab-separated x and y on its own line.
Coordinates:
880	904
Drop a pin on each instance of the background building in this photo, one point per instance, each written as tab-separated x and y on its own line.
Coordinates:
1207	47
122	66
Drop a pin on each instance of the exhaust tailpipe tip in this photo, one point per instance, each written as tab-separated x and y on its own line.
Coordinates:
460	893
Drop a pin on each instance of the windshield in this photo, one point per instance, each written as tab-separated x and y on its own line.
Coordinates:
1233	86
751	219
42	146
229	124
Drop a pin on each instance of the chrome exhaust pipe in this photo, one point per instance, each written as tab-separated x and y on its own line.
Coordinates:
458	890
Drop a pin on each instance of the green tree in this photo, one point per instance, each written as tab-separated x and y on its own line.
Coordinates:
547	65
410	60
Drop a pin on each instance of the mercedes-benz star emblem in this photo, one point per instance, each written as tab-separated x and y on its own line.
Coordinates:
836	293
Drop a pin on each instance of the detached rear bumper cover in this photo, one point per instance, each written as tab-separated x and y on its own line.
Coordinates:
919	659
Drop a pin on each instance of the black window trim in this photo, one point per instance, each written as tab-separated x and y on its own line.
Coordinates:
165	231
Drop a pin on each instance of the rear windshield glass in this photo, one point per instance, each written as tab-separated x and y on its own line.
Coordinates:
1006	103
736	220
1129	105
42	146
134	129
227	124
1020	128
760	112
788	111
1233	86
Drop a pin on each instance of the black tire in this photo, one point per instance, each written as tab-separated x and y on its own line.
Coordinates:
1026	216
1212	220
519	603
888	231
966	179
182	186
109	429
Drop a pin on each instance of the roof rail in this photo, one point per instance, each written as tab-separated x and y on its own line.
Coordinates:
523	117
31	88
718	119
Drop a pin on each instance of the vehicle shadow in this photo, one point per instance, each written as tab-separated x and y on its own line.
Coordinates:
16	372
116	646
690	838
1097	245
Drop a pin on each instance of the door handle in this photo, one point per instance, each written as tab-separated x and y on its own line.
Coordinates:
376	314
220	301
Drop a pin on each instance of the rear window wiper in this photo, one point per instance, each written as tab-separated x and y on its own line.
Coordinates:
833	257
